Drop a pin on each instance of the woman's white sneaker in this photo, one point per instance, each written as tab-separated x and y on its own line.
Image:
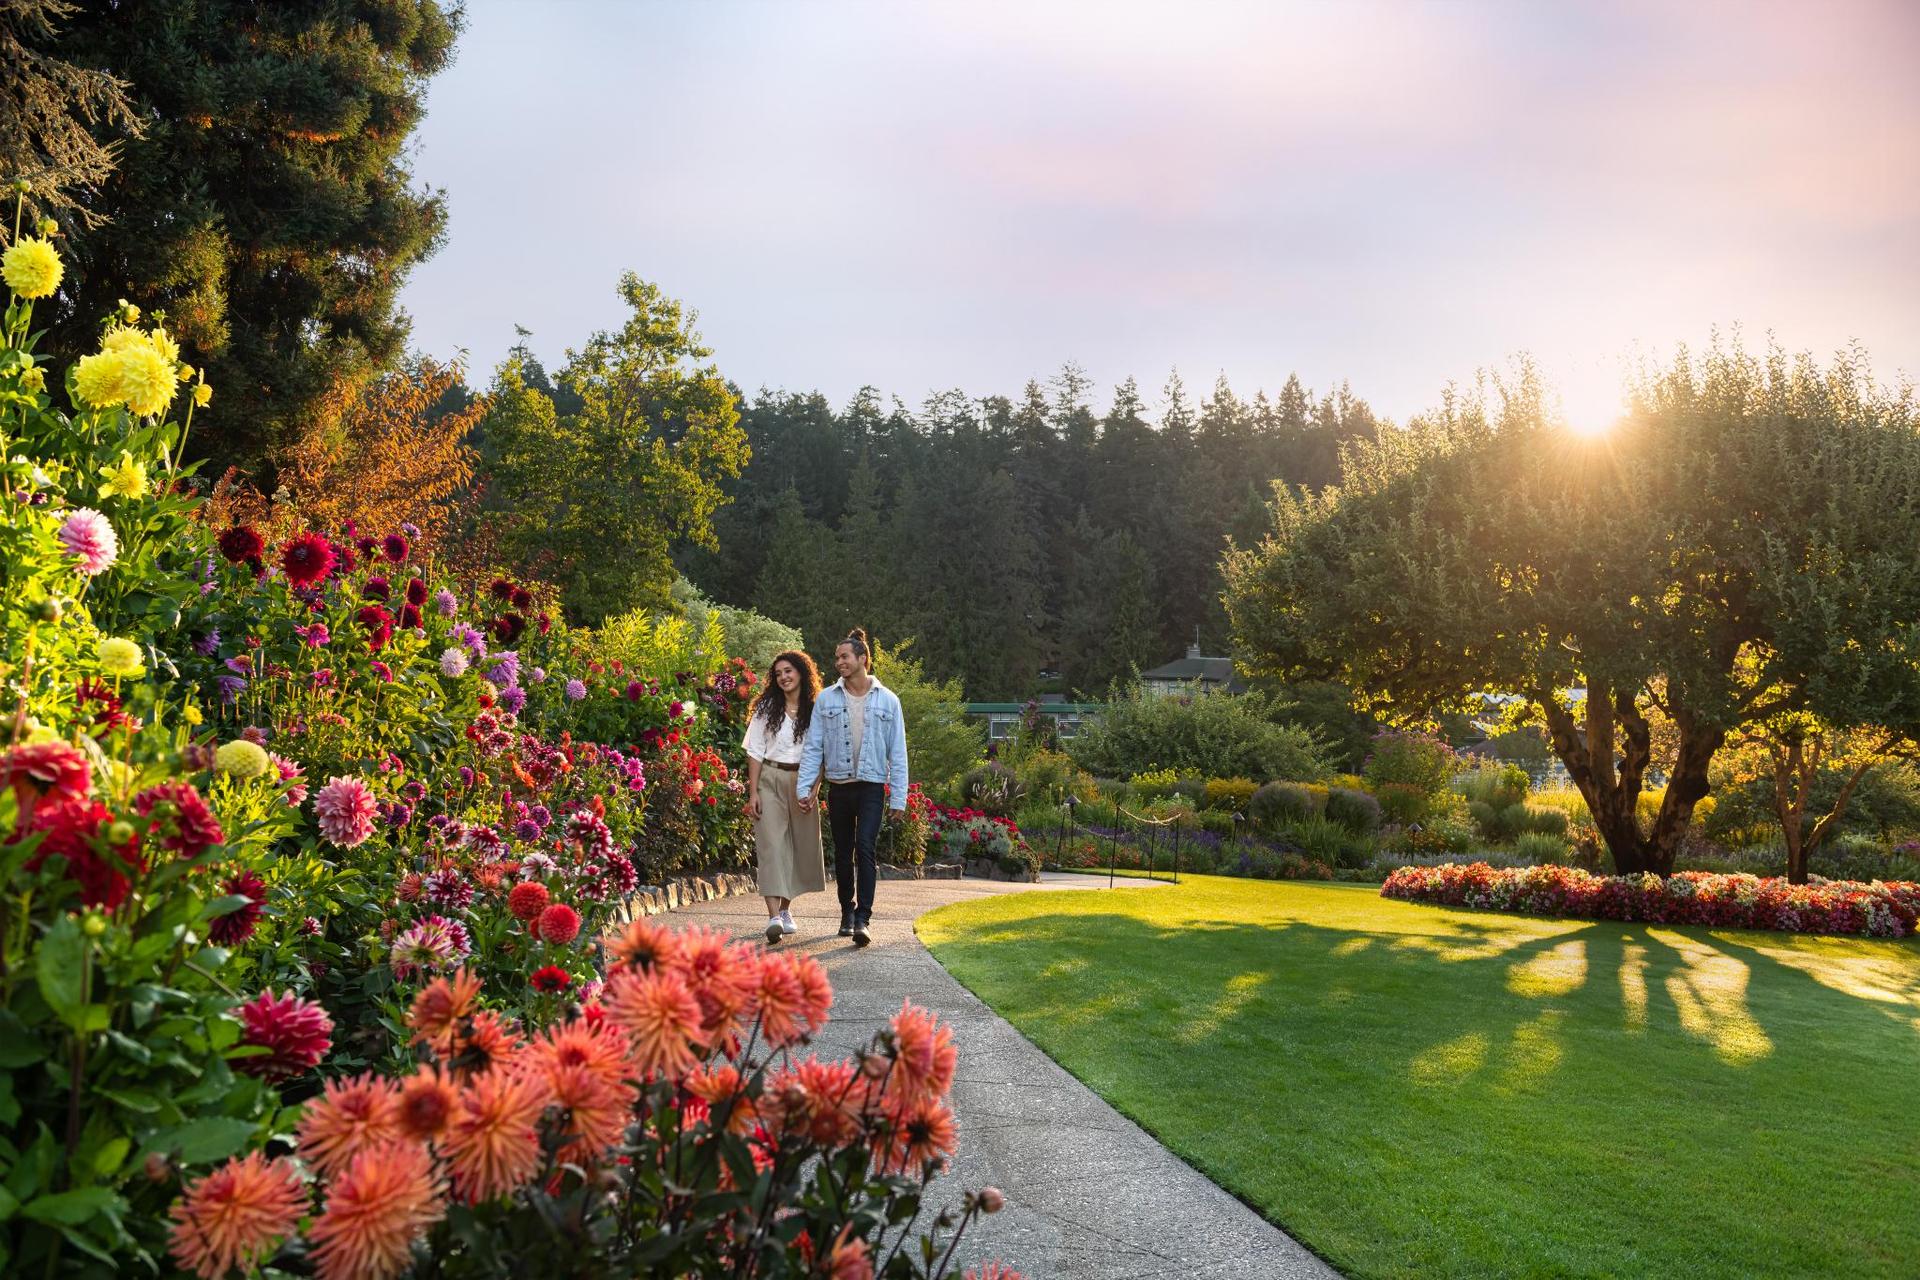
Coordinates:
787	926
775	931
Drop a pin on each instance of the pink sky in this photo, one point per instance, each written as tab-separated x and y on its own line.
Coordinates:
927	196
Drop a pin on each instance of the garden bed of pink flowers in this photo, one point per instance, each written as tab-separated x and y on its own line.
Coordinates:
1880	909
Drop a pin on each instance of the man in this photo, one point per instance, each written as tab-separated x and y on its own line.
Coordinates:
857	741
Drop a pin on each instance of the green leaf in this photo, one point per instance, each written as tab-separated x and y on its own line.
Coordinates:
110	1156
71	1208
8	1205
60	968
132	1099
19	1047
205	1140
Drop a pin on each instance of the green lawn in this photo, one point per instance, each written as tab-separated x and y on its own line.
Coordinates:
1421	1092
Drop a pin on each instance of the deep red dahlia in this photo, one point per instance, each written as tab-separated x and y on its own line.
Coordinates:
416	591
379	625
508	627
395	547
376	588
242	544
298	1032
551	979
522	598
238	924
307	559
500	589
410	616
187	825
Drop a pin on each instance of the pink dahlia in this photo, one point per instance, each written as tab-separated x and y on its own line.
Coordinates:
345	810
307	559
298	1033
89	538
292	776
55	771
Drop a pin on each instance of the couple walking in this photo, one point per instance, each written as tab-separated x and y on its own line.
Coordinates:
853	737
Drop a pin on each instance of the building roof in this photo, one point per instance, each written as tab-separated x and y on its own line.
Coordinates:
1194	667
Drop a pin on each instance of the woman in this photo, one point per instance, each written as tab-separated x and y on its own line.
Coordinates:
786	836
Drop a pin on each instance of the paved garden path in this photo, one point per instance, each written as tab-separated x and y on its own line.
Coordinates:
1090	1196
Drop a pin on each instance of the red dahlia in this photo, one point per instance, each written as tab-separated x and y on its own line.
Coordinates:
71	830
298	1032
379	625
242	544
395	547
500	589
187	825
522	598
416	591
527	899
307	559
507	627
53	770
550	979
238	924
559	924
377	588
410	616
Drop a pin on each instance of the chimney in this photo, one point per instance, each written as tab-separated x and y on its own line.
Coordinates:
1193	650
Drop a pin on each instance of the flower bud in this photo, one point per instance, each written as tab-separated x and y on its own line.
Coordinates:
95	924
120	832
992	1200
158	1167
48	610
48	226
21	186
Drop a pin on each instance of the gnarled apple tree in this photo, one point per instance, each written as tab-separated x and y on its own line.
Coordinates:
1744	543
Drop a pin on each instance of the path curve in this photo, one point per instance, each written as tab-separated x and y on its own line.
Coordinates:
1090	1195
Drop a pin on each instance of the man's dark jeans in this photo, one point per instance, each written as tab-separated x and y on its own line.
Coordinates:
855	811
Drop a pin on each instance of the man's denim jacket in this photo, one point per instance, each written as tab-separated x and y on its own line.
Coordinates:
883	742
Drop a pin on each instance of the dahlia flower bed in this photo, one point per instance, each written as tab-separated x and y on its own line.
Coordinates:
313	865
1880	909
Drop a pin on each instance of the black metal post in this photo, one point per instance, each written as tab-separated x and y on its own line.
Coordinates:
1176	853
1113	845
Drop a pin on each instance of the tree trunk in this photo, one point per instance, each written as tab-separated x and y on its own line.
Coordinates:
1613	795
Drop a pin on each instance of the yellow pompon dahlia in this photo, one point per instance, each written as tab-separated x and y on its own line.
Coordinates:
120	657
31	268
242	759
123	338
97	379
124	479
147	378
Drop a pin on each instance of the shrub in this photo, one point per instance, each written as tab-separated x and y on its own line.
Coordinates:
1546	822
1219	822
903	840
1192	790
1229	793
1415	759
1686	897
1538	847
1279	803
1213	735
1154	784
991	788
1500	786
1402	803
1046	775
1355	810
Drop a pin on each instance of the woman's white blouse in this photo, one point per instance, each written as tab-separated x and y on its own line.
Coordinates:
781	748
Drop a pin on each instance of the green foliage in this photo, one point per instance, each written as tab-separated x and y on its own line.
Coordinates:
745	634
1402	802
992	788
1152	785
1335	843
941	741
594	500
1208	736
1497	785
1355	810
1277	804
263	200
1539	848
1418	760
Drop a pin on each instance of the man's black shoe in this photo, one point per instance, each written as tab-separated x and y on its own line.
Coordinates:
860	938
846	924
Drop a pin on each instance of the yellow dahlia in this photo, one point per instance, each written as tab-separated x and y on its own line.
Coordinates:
31	268
124	479
120	657
163	342
146	377
97	379
203	395
242	759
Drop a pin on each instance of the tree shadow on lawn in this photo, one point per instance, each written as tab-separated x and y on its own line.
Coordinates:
1382	1092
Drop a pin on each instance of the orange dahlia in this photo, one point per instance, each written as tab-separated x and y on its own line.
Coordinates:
597	1113
819	1099
348	1117
236	1216
428	1099
660	1015
493	1144
386	1200
921	1134
440	1007
923	1055
718	971
849	1259
596	1046
716	1086
644	945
